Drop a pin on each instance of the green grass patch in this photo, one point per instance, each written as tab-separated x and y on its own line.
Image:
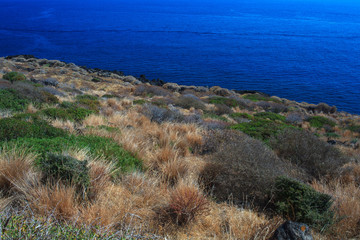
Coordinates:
354	128
261	129
242	115
214	116
10	100
98	146
258	97
14	76
223	100
11	128
320	121
270	116
72	113
139	102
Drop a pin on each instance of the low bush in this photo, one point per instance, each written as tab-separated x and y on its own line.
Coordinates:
139	101
214	116
241	167
230	102
10	100
319	122
261	129
222	109
354	128
258	97
14	76
189	101
89	102
11	128
98	147
150	91
72	113
307	151
270	116
159	115
241	115
66	169
300	203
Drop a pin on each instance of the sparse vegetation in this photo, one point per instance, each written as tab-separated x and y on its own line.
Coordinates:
103	156
14	76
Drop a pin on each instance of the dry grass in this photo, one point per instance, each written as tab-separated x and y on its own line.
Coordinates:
64	124
56	200
346	204
94	121
16	165
31	108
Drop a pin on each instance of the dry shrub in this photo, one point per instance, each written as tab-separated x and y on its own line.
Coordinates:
346	204
306	151
144	90
186	202
242	167
56	200
350	174
16	166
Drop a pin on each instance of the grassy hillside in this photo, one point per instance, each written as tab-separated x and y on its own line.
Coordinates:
89	154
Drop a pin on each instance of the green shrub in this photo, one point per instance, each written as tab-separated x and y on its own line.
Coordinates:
11	128
89	102
86	96
66	169
319	122
258	97
307	151
270	116
73	113
223	100
354	128
241	115
261	129
139	101
98	147
301	203
10	100
14	76
214	116
49	98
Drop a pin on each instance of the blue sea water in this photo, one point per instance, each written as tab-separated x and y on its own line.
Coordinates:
301	50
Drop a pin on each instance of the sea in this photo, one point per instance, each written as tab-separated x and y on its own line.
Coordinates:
306	50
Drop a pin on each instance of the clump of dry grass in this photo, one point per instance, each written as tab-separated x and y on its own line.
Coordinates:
16	165
186	202
346	195
56	200
64	124
94	120
31	108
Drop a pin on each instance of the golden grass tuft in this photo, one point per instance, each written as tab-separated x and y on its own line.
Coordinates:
66	125
31	108
346	204
94	120
56	200
16	165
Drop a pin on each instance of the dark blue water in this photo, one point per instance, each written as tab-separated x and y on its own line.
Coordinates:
302	50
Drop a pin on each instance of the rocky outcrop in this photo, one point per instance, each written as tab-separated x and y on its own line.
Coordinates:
292	231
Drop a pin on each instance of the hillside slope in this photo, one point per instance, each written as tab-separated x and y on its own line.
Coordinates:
89	153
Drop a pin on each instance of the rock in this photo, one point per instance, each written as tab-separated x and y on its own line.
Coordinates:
201	89
132	80
172	87
50	82
221	91
292	231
